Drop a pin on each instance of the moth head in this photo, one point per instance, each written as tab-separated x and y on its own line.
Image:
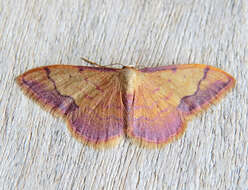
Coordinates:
128	67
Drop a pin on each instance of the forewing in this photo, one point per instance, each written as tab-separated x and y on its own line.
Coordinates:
166	97
88	98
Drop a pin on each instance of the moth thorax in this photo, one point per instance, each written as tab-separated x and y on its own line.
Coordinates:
129	79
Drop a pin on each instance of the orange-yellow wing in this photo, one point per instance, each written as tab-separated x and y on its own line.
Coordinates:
166	97
88	98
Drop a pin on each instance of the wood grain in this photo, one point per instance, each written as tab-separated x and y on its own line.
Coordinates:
37	151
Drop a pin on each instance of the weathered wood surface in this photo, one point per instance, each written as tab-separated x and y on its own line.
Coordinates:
37	151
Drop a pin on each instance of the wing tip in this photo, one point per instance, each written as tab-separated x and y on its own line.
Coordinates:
213	101
32	96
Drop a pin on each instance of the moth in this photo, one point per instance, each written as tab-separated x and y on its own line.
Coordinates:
101	104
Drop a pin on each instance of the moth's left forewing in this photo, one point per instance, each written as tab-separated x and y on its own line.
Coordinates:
192	87
212	86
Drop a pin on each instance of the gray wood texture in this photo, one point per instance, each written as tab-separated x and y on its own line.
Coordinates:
36	149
